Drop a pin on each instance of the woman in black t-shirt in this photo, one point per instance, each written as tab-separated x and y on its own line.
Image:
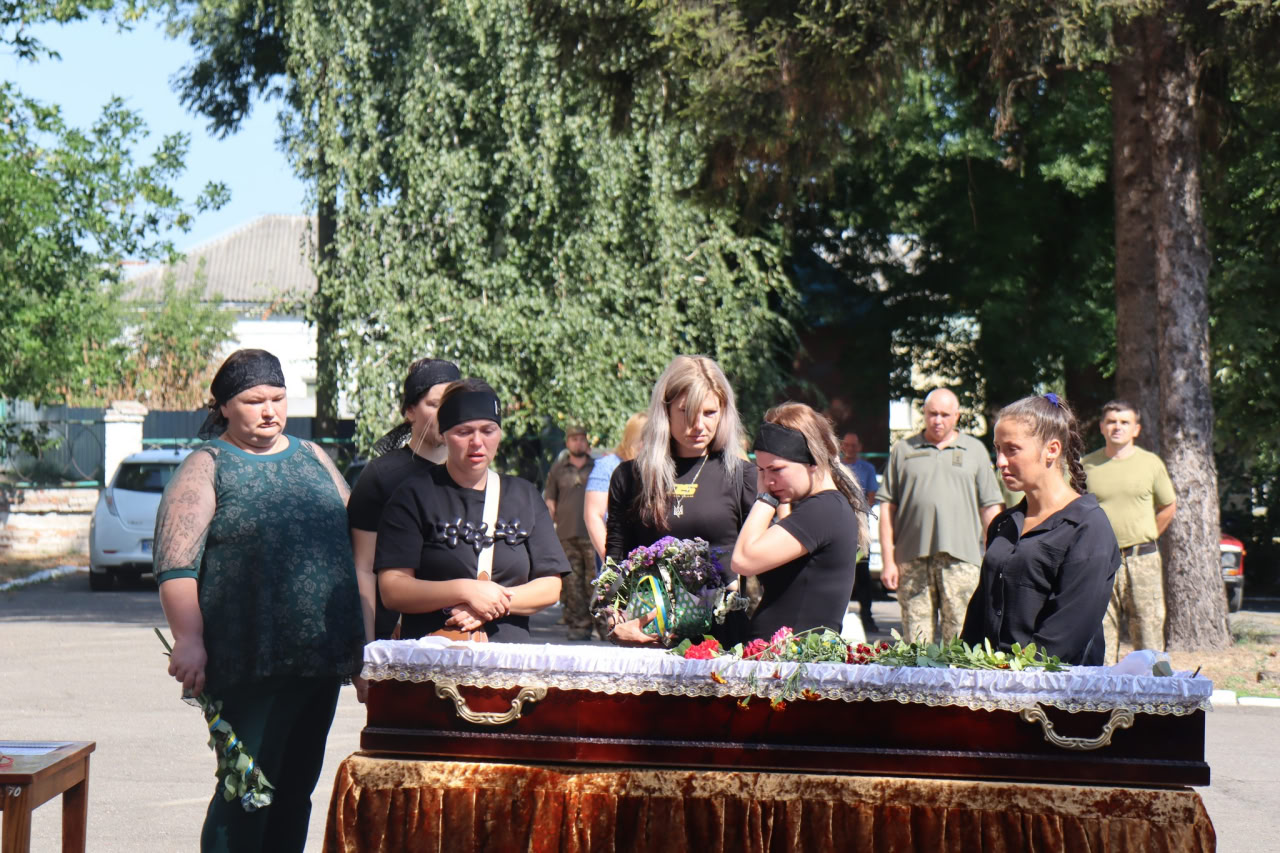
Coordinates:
433	531
1051	560
802	535
412	447
687	480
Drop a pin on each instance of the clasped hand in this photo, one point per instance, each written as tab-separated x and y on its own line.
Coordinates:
484	602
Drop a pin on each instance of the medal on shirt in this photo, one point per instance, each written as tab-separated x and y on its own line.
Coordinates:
686	490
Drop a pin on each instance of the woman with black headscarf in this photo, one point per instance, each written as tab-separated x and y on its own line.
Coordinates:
441	531
409	449
259	589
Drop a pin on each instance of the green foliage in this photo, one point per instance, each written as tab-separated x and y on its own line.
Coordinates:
76	203
487	215
957	654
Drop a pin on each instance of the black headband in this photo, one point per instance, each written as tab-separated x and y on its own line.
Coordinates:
427	376
462	406
249	371
785	442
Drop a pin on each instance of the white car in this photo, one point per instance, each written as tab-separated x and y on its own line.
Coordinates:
124	521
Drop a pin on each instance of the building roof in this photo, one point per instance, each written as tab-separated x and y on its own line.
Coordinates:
259	263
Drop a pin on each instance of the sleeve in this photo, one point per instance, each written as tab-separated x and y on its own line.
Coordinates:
553	483
364	507
601	471
546	555
988	486
621	495
339	482
400	533
746	494
1163	491
813	522
888	491
183	519
1072	614
974	630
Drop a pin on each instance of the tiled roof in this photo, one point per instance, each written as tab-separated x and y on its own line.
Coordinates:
265	261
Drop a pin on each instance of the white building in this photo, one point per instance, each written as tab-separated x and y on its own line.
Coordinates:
262	271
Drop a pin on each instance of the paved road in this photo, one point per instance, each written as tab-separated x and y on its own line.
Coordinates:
76	665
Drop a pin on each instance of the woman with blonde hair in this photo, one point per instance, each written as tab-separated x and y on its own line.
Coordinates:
687	480
802	534
595	508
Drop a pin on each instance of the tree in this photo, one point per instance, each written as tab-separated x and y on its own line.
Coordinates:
486	214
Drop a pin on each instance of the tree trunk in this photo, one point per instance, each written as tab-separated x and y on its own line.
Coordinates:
1195	599
1137	351
326	420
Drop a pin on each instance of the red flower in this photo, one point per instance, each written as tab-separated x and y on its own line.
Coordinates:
755	648
705	650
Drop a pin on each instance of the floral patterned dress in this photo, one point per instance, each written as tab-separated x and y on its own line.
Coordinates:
265	537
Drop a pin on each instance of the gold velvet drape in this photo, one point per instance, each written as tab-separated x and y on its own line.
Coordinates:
422	806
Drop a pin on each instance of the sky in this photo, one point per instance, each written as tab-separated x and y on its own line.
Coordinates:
98	61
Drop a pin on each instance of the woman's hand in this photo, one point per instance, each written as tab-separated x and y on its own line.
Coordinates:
187	663
362	688
630	632
487	600
464	618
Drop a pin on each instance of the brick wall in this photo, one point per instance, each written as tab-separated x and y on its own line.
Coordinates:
45	522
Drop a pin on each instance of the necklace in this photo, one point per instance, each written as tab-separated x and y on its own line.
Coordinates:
687	490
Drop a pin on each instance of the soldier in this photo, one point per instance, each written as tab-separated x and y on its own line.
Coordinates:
1135	492
938	495
566	491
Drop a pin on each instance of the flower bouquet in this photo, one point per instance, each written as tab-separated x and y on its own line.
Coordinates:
239	776
679	581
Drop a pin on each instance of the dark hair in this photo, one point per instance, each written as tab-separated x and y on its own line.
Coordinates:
468	384
1122	406
241	370
1049	419
423	375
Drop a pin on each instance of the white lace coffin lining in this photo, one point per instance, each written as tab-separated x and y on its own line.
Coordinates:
634	671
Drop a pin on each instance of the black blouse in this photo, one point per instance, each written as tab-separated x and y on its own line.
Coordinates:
1050	586
812	591
436	527
715	512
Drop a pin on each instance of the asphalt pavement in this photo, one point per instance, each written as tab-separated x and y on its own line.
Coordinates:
78	665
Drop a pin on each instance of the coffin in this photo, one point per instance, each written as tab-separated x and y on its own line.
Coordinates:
633	707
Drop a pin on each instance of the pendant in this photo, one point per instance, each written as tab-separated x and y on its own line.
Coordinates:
679	510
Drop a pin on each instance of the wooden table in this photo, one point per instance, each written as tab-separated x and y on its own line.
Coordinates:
33	780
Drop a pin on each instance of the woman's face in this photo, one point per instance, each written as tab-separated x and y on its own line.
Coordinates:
786	480
473	444
422	416
255	416
1022	459
693	432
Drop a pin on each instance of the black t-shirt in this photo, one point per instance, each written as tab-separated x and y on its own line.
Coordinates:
378	482
1050	586
714	512
434	526
813	590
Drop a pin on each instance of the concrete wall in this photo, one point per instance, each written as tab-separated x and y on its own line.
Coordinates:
45	522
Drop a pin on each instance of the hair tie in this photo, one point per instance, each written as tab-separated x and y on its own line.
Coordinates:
1053	398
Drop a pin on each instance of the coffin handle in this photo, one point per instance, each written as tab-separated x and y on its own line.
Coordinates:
1121	718
490	718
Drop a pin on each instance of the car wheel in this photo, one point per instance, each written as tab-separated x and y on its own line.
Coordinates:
1235	600
100	581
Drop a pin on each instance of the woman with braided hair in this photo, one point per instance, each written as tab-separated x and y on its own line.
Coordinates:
1051	560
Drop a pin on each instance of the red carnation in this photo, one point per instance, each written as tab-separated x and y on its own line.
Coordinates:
705	650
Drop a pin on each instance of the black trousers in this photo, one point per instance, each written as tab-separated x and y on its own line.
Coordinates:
862	589
284	723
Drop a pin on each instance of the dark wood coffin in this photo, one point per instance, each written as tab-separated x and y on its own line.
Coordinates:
548	724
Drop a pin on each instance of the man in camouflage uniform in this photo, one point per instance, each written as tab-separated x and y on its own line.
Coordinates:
565	494
1133	487
937	496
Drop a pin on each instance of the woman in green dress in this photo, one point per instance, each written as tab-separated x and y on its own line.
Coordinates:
258	585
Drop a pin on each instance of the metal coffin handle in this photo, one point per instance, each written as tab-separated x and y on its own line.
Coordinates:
490	718
1121	718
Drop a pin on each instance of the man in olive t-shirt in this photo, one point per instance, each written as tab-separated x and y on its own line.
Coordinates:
565	494
938	495
1135	492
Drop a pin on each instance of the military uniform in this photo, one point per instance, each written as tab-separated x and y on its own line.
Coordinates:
939	494
1130	491
567	486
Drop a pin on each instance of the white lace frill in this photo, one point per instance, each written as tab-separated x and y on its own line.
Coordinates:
635	671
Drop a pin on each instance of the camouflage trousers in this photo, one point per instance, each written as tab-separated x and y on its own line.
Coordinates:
1137	602
933	586
575	587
